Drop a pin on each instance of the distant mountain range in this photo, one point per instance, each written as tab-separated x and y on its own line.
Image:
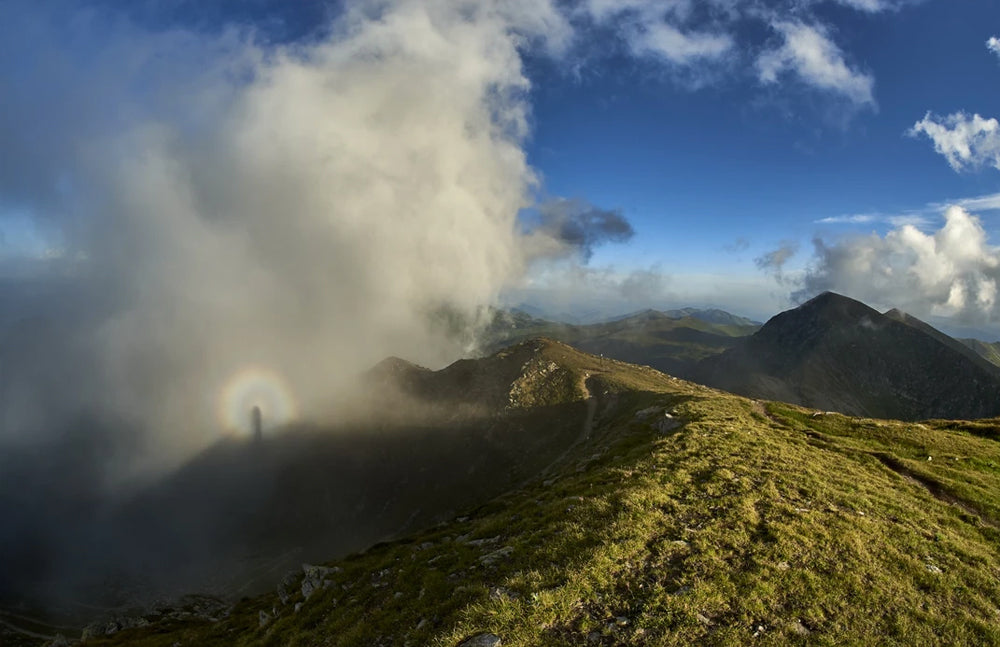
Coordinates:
672	341
831	353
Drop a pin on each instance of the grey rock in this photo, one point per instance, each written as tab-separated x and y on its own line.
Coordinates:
482	640
667	423
315	578
286	585
264	618
799	629
490	559
483	542
501	593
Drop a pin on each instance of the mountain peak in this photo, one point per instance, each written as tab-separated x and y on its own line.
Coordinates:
833	352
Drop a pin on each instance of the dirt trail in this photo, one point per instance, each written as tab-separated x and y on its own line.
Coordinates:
933	488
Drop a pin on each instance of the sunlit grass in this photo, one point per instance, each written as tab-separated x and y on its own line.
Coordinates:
752	522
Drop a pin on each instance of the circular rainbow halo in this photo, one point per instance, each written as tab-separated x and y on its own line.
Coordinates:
255	386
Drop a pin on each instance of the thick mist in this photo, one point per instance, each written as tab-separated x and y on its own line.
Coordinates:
209	202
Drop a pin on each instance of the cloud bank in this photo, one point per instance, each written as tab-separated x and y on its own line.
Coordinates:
219	202
951	272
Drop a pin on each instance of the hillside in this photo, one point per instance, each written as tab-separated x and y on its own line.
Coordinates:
971	351
987	350
672	341
838	354
680	515
418	448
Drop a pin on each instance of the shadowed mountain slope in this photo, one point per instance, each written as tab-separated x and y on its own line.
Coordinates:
837	353
957	345
990	351
683	516
417	448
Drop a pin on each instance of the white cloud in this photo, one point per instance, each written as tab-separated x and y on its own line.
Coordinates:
993	44
304	207
980	203
963	140
875	6
658	29
809	54
896	220
953	271
667	41
871	6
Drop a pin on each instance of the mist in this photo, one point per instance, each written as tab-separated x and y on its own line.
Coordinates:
211	202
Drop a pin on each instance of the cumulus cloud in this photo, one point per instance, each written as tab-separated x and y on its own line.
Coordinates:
952	272
993	44
966	142
808	53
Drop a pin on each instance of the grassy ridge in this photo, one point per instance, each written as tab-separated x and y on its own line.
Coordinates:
751	521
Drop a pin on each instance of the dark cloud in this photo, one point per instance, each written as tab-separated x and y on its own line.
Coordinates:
773	262
741	244
581	226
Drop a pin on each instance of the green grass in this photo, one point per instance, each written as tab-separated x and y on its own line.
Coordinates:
753	522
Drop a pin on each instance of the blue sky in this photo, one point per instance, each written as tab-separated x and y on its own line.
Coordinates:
731	136
714	176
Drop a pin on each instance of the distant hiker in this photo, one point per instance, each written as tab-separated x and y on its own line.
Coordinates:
258	424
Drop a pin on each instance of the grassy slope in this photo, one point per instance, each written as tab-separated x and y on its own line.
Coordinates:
750	520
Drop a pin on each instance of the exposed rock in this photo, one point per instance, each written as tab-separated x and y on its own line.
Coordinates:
286	585
315	578
667	423
490	559
931	568
501	593
483	542
264	618
798	628
113	626
482	640
703	619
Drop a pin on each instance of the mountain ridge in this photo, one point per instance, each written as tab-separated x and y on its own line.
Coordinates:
833	352
686	516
